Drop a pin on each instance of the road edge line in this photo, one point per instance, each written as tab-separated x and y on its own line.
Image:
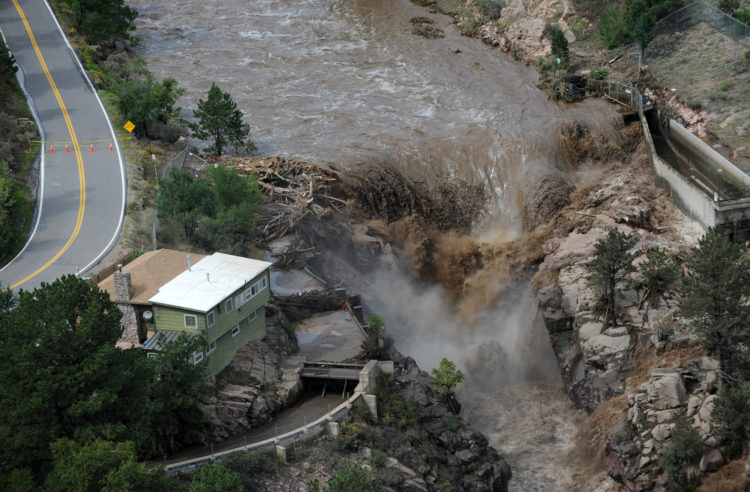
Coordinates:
123	174
21	77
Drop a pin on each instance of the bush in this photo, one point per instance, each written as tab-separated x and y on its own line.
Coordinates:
664	8
726	85
491	8
148	104
743	16
351	478
600	74
682	453
729	6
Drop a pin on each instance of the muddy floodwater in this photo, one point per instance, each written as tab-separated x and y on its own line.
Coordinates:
346	82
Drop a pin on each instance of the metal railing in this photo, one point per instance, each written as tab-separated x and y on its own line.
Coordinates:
701	11
626	94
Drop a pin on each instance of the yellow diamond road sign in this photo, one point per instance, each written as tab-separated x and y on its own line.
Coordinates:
129	126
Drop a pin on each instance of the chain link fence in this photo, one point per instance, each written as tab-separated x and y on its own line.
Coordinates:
700	11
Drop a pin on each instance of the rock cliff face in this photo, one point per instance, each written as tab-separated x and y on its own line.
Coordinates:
440	450
650	358
633	451
254	388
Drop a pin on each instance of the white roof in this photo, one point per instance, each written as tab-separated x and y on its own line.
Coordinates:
208	282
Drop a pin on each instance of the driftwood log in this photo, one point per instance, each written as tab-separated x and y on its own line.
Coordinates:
293	189
305	304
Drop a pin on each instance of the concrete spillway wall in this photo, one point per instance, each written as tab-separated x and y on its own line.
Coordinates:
694	150
694	198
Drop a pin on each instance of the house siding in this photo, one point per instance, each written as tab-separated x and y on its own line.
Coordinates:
169	318
227	345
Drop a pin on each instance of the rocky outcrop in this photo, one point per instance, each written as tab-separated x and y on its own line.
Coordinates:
520	28
254	387
633	451
440	451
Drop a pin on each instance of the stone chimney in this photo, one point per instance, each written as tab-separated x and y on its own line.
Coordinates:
123	286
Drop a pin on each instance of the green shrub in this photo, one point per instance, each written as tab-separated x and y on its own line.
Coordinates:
148	104
452	422
491	8
726	85
729	6
665	7
747	56
744	17
377	458
468	28
600	74
683	452
351	478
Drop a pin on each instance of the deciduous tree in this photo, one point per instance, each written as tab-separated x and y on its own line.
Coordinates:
103	20
447	376
184	199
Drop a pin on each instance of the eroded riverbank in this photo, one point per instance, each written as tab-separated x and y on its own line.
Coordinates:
347	83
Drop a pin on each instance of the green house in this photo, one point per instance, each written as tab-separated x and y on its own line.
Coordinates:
221	296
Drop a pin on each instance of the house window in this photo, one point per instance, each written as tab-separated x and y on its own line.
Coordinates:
197	357
211	347
262	283
235	330
228	305
253	316
210	318
191	321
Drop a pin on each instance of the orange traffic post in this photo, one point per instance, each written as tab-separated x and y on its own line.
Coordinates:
110	148
52	149
92	147
66	148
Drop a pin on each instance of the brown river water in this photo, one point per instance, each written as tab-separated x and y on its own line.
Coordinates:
346	82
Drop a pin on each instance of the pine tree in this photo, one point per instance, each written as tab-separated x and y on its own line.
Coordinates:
715	299
220	121
560	45
611	264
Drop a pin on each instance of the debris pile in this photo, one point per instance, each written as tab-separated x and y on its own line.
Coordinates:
293	190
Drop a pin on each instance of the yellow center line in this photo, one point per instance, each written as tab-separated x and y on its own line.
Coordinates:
76	148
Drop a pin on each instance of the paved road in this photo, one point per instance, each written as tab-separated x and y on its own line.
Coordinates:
82	192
